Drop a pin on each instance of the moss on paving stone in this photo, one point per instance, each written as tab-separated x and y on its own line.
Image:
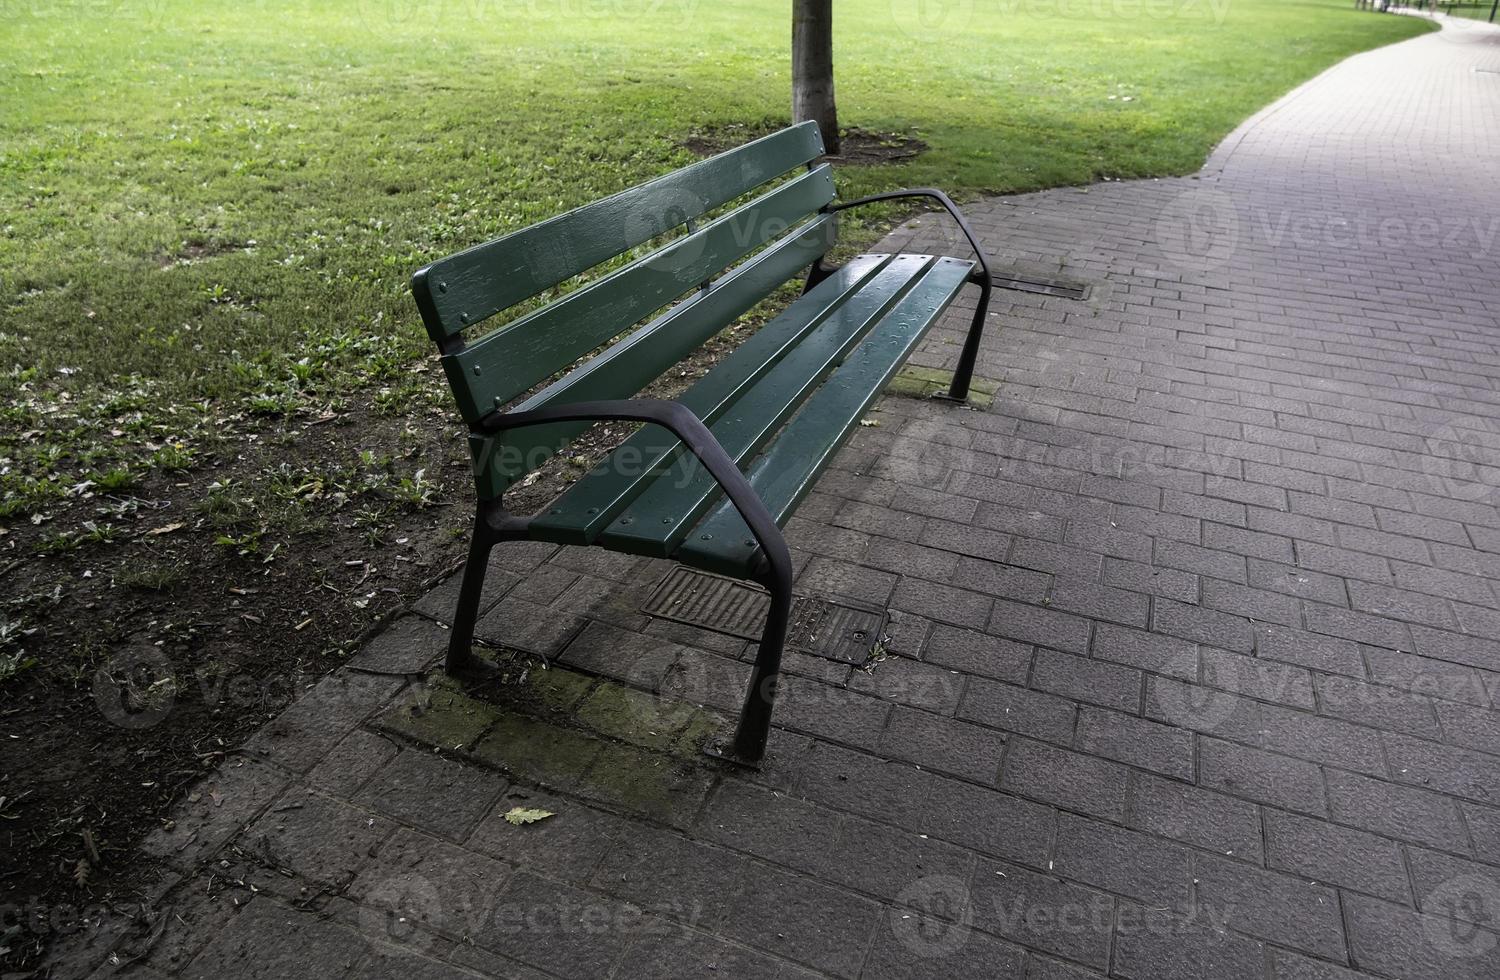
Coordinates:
567	730
919	382
657	785
439	712
538	751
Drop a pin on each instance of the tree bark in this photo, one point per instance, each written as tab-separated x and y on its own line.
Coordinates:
812	68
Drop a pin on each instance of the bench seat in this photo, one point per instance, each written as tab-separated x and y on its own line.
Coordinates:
877	306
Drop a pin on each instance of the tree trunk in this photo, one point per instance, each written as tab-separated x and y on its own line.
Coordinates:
812	68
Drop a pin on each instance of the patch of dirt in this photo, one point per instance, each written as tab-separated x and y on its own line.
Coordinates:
155	652
857	147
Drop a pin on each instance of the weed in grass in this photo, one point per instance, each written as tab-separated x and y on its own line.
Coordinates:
173	458
114	481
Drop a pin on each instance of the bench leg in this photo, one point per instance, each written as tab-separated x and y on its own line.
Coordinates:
462	636
755	719
958	390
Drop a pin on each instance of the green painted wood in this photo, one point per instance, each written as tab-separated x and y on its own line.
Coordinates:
463	289
656	522
784	475
582	513
637	360
514	359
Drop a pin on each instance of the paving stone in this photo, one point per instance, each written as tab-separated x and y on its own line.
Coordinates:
1281	909
1324	852
521	624
304	733
567	845
1200	625
1043	912
353	761
622	655
1287	965
682	955
1148	869
1458	772
440	603
822	710
1082	679
417	881
1148	651
801	919
215	810
928	803
1392	810
1126	738
974	652
1151	946
957	607
439	795
1185	813
316	837
1454	888
1264	777
943	745
918	946
1264	680
1068	779
562	929
1312	650
1017	709
270	941
910	682
1394	940
409	646
1005	581
1484	826
1389	708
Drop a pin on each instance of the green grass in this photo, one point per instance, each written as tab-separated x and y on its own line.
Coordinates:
213	206
1473	11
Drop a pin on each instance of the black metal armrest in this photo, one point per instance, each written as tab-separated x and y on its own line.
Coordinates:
941	198
681	422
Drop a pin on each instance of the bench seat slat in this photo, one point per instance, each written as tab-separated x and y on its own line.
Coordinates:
637	360
511	360
785	473
582	513
461	290
655	523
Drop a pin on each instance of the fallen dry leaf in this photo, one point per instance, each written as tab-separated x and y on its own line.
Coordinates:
520	815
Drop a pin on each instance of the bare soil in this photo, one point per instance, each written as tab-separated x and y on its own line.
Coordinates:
857	147
162	650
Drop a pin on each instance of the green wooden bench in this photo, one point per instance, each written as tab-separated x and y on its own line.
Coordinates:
711	477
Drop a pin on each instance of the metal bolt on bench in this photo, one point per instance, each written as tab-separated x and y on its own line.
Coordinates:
760	426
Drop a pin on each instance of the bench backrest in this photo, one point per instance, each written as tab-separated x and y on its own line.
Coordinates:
460	292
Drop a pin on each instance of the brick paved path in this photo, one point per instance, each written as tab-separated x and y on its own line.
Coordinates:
1194	634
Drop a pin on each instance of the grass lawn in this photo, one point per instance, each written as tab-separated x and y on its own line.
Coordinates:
206	199
1473	11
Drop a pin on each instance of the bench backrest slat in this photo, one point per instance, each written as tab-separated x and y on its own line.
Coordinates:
638	359
459	291
516	357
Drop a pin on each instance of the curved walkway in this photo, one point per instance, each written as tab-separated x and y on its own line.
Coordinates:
1195	639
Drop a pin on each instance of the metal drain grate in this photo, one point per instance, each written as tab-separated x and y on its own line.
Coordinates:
1046	287
834	629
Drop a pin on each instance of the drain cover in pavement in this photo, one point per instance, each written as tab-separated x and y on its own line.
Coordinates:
835	629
